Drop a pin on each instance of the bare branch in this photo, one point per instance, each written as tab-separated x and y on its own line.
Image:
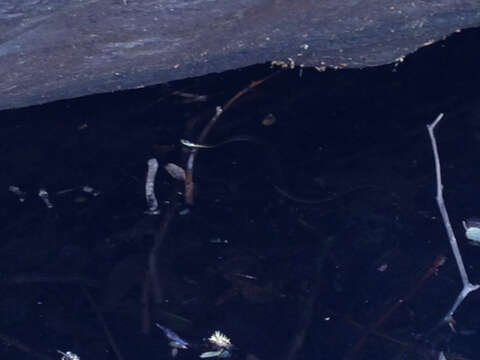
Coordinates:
467	285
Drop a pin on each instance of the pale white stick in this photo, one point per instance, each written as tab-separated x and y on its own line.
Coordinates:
467	285
152	202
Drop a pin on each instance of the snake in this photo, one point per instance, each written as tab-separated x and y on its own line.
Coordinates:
280	189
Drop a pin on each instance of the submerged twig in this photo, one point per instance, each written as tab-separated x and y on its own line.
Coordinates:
102	321
146	316
467	285
153	255
439	261
9	341
296	344
26	278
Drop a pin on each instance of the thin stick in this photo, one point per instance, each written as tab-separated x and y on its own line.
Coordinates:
10	341
153	255
26	278
467	285
102	321
439	261
146	317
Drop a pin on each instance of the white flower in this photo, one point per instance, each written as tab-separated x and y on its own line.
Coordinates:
220	340
68	355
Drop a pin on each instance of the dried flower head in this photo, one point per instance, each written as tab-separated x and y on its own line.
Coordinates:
220	340
68	355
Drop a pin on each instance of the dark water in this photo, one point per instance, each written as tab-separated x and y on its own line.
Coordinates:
259	256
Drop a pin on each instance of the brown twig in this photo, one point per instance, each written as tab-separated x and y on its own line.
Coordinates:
298	339
439	261
308	307
378	333
153	255
102	321
146	316
189	183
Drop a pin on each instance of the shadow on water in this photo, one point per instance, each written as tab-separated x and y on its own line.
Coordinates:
301	238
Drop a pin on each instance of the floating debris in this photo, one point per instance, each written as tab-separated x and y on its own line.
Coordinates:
90	190
175	171
16	190
472	230
184	212
193	145
382	267
44	196
65	191
222	353
269	120
86	189
152	202
245	276
218	241
175	341
190	97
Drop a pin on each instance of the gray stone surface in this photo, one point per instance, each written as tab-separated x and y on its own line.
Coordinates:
55	49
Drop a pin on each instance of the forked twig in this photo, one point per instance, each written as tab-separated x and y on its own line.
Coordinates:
467	285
